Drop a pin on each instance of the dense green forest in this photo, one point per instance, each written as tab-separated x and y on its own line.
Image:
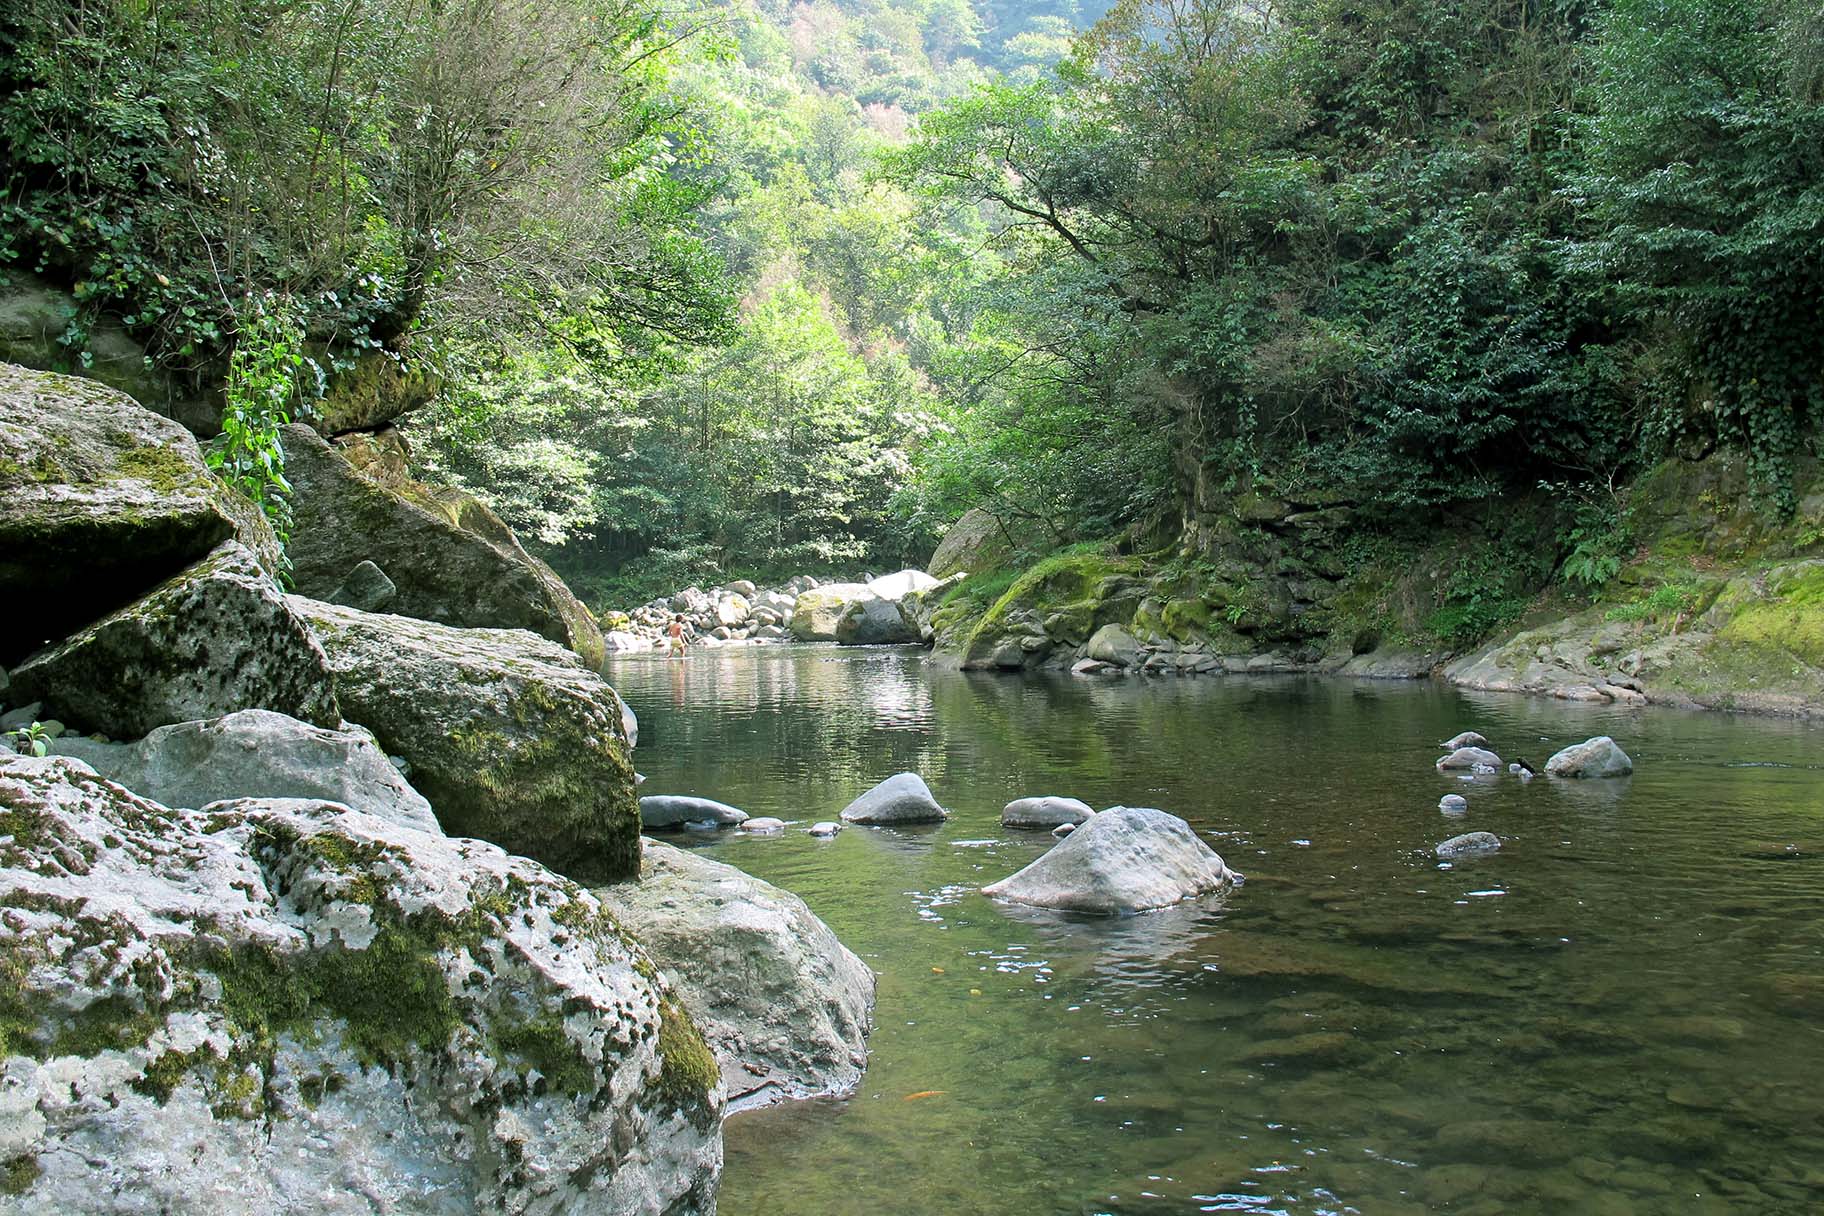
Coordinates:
753	288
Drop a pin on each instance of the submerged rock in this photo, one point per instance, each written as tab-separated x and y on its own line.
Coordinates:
1468	844
1469	758
1453	804
783	1003
1126	859
325	1011
661	811
763	826
214	639
1598	757
510	736
824	828
259	754
100	501
901	798
1044	812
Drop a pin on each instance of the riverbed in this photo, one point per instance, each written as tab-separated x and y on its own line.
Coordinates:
1622	1011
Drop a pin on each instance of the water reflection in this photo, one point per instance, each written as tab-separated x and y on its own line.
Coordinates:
1631	1025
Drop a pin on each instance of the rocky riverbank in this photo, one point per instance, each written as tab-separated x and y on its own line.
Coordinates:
1718	603
876	611
334	900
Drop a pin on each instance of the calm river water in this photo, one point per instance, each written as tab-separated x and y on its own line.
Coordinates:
1621	1012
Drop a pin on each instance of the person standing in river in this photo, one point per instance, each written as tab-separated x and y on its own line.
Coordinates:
675	631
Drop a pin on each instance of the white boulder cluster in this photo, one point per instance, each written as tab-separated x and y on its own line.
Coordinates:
874	612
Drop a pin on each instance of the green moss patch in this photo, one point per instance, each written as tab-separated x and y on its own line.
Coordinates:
1789	619
17	1174
542	1043
688	1071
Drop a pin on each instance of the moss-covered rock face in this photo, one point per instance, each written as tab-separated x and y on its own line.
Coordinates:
974	544
451	559
223	1011
511	737
379	388
216	638
100	500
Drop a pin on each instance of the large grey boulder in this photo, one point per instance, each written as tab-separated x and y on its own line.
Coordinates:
1124	860
285	1005
215	638
784	1004
662	811
1469	844
510	736
815	613
258	754
450	558
1044	812
1114	645
871	621
976	542
1598	757
901	798
100	500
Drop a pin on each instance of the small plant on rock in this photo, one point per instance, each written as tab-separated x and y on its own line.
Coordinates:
30	740
262	384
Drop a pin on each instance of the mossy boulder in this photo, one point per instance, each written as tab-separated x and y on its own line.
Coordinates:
511	737
451	560
1074	592
975	543
817	613
269	1005
380	387
100	500
784	1004
216	638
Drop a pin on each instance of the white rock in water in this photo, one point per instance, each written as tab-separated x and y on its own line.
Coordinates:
1468	758
1453	804
1126	859
1063	830
1468	844
1468	738
423	1009
783	1003
1044	812
1598	757
901	798
825	828
661	811
763	825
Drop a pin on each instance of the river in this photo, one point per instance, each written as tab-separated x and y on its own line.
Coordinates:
1622	1011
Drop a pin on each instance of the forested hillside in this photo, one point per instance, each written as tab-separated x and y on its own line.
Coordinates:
760	287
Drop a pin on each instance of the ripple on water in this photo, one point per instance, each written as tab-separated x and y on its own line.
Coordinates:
1619	1008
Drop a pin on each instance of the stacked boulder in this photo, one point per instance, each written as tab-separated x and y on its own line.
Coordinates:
878	612
330	995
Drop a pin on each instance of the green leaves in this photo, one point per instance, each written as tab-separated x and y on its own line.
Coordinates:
262	384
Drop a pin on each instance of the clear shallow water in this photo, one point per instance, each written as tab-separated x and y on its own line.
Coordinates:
1623	1011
